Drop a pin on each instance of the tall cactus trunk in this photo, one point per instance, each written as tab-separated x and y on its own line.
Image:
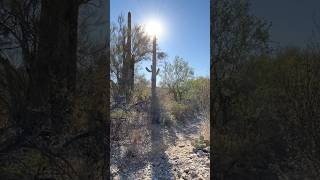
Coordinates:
154	67
129	57
154	72
127	82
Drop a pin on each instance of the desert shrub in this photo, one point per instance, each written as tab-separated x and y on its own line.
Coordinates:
168	119
16	166
205	126
118	122
136	142
200	143
271	114
174	77
118	114
172	112
141	89
198	93
180	111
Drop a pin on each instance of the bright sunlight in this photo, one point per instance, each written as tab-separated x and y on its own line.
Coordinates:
154	28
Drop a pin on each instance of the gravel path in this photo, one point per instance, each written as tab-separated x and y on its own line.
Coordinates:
162	153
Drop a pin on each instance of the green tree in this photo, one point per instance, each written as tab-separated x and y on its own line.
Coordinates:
236	34
199	93
141	47
175	76
41	128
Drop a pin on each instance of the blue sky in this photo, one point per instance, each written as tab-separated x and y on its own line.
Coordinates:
186	27
292	20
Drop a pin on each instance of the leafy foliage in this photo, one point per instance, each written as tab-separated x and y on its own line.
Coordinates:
174	77
141	46
272	115
198	92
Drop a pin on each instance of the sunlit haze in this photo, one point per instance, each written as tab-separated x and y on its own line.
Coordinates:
183	29
154	28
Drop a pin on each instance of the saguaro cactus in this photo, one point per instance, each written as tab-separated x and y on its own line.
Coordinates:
127	83
129	58
154	72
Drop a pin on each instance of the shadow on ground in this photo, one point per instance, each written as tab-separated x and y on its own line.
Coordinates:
151	161
161	168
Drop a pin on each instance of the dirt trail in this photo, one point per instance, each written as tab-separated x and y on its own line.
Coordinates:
165	153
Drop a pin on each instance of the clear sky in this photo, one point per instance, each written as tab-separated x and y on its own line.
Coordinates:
292	20
186	25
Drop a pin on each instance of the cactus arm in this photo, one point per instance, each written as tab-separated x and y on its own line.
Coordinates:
148	69
157	71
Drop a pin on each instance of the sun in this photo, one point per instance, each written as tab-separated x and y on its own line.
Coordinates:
154	28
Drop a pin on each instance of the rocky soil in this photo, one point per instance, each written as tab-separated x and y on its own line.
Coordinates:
160	152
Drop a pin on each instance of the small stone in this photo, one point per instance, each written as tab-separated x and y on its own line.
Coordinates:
182	145
179	174
185	176
206	150
157	163
200	153
192	168
175	158
193	174
186	170
117	177
208	163
192	156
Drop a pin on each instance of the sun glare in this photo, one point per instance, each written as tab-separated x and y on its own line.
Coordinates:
154	28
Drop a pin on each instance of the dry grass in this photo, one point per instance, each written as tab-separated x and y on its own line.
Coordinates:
136	140
205	127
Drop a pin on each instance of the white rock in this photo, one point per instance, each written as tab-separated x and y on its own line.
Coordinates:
192	156
200	153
